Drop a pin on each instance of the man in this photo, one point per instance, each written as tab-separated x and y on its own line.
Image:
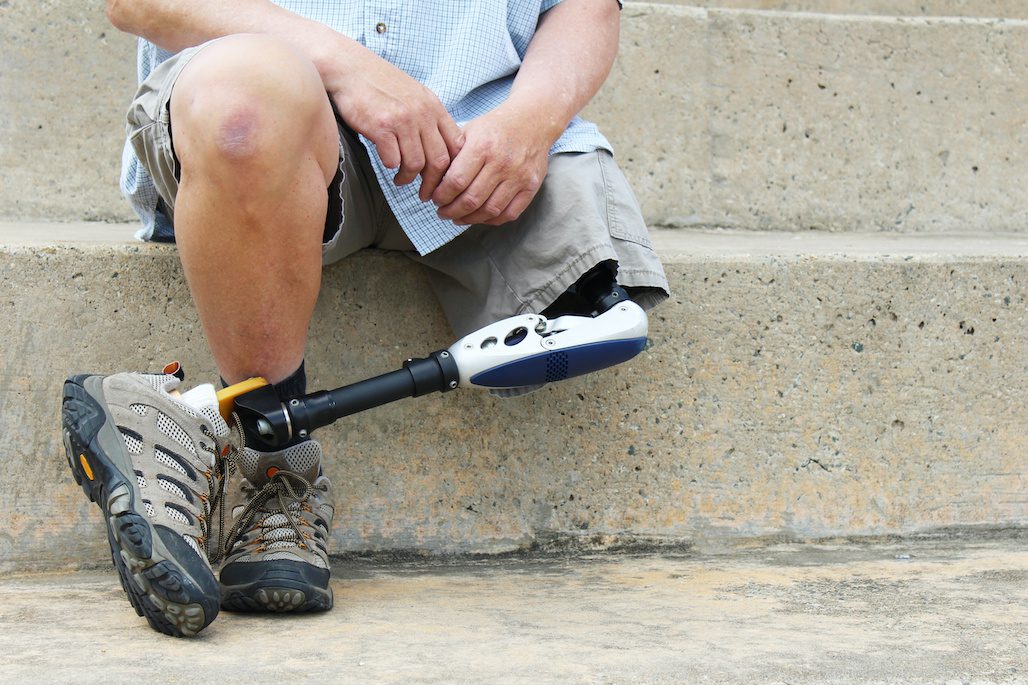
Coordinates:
267	139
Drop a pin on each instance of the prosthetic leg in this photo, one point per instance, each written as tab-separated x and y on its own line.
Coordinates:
513	354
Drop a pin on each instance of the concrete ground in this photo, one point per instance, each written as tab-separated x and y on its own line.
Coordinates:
949	609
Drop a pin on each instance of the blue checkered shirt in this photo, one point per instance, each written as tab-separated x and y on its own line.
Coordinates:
466	51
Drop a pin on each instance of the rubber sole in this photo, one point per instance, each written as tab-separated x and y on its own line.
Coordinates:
162	576
278	586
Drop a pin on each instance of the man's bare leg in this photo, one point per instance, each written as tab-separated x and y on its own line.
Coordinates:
258	145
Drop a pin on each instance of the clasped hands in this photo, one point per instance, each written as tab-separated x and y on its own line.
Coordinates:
484	173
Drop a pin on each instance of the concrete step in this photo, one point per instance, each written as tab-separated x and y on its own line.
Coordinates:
930	611
797	385
722	118
779	120
1007	9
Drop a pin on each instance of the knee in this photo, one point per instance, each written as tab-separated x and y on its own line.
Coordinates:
247	99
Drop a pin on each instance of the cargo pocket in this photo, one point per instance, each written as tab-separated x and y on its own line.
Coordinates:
624	217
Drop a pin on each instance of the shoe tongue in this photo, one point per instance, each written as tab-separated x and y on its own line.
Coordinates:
204	400
303	459
200	397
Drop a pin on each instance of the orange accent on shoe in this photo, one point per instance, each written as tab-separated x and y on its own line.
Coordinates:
86	467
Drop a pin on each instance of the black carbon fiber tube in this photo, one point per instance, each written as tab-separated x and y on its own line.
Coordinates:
437	373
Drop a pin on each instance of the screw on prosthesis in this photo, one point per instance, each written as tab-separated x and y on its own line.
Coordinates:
599	288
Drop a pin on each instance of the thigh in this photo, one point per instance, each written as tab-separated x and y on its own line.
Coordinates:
353	194
584	214
148	125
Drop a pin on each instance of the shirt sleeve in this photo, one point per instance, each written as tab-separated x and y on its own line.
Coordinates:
548	4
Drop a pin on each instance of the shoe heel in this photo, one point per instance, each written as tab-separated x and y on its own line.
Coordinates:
82	418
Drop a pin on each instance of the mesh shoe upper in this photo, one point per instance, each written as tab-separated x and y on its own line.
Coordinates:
281	507
174	443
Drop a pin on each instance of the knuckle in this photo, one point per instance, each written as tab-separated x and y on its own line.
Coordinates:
412	163
438	163
456	182
468	204
383	123
392	118
489	148
385	116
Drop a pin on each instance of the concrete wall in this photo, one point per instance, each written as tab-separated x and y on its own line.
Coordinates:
864	386
66	77
778	121
862	378
749	120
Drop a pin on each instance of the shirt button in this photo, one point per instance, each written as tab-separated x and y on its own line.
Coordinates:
380	27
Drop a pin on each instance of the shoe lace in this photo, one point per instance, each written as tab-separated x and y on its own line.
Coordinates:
224	451
287	488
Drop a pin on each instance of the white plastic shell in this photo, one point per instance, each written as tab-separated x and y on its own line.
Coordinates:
521	337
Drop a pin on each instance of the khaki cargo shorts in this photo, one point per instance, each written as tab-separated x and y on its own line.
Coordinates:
584	214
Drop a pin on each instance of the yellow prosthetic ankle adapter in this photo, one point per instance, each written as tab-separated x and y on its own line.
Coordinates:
227	396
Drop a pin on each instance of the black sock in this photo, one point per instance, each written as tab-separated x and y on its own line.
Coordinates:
293	386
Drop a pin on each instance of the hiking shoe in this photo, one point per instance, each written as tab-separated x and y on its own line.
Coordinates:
276	552
151	462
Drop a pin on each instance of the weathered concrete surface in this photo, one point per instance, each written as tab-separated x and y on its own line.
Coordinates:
1009	9
778	121
796	385
766	120
66	78
915	612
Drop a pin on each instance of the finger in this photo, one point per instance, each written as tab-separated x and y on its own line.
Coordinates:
437	161
466	205
412	159
452	135
516	207
388	150
463	171
492	207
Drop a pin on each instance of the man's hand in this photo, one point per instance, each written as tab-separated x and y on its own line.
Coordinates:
498	171
405	120
504	159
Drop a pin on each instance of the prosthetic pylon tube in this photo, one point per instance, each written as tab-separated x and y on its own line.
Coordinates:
279	420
